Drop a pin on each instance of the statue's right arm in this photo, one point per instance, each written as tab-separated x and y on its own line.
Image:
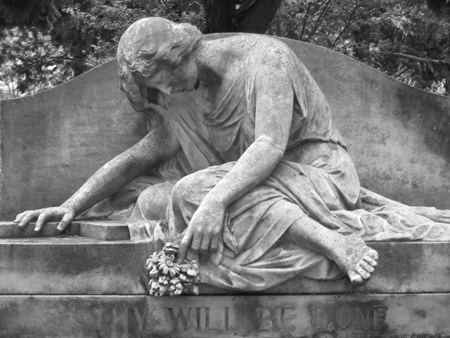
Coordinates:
156	147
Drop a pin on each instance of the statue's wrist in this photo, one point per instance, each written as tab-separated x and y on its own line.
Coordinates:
214	201
68	205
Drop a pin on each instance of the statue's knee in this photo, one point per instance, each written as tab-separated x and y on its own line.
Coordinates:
153	201
184	188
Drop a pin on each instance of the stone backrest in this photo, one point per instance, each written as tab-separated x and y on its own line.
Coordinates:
53	141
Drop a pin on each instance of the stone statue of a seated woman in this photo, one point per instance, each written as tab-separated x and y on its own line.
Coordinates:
244	159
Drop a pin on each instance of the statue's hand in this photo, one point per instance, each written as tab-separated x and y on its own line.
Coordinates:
205	231
63	214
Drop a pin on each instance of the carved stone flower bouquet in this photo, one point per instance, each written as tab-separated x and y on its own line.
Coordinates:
169	278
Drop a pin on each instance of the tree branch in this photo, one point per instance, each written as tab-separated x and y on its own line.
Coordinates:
404	70
418	59
294	27
347	24
319	19
304	20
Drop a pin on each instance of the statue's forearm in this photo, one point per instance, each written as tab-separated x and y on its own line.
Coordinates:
248	171
105	182
152	150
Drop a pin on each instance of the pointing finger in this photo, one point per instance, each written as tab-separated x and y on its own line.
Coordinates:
184	245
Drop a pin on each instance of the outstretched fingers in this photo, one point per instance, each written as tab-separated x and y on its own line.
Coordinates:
43	217
26	217
66	220
19	217
65	215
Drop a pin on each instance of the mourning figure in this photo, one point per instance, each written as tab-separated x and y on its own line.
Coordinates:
243	161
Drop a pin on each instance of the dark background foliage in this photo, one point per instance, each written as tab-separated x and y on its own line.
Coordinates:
44	43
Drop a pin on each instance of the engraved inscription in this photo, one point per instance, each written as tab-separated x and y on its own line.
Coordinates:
348	317
181	317
271	319
120	322
199	318
116	322
140	319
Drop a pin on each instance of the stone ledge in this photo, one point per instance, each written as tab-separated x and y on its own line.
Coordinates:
324	316
79	265
103	230
68	265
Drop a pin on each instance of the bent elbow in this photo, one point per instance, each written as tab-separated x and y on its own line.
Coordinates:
272	146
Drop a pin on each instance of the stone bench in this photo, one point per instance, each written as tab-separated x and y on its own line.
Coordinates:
87	283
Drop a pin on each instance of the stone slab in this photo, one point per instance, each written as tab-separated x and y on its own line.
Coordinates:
68	265
320	316
80	265
11	230
104	230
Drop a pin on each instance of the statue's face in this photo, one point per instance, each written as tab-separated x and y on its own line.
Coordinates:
180	79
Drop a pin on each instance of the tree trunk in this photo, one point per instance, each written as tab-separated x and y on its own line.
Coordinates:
253	16
258	16
219	15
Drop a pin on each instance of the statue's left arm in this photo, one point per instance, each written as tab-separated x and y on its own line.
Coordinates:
273	117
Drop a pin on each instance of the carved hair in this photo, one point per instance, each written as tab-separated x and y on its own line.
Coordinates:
148	46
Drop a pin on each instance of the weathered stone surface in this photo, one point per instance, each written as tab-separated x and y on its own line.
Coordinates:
68	265
397	135
102	230
83	265
351	316
11	230
54	140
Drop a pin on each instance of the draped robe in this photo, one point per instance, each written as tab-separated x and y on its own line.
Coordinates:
326	190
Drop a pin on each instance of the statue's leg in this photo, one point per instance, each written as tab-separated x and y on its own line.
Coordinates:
152	202
350	253
279	209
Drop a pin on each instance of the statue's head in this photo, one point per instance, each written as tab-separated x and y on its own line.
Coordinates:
156	53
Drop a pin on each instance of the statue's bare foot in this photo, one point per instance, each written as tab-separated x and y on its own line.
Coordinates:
355	258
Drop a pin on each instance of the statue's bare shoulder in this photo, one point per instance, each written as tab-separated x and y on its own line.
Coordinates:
244	53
